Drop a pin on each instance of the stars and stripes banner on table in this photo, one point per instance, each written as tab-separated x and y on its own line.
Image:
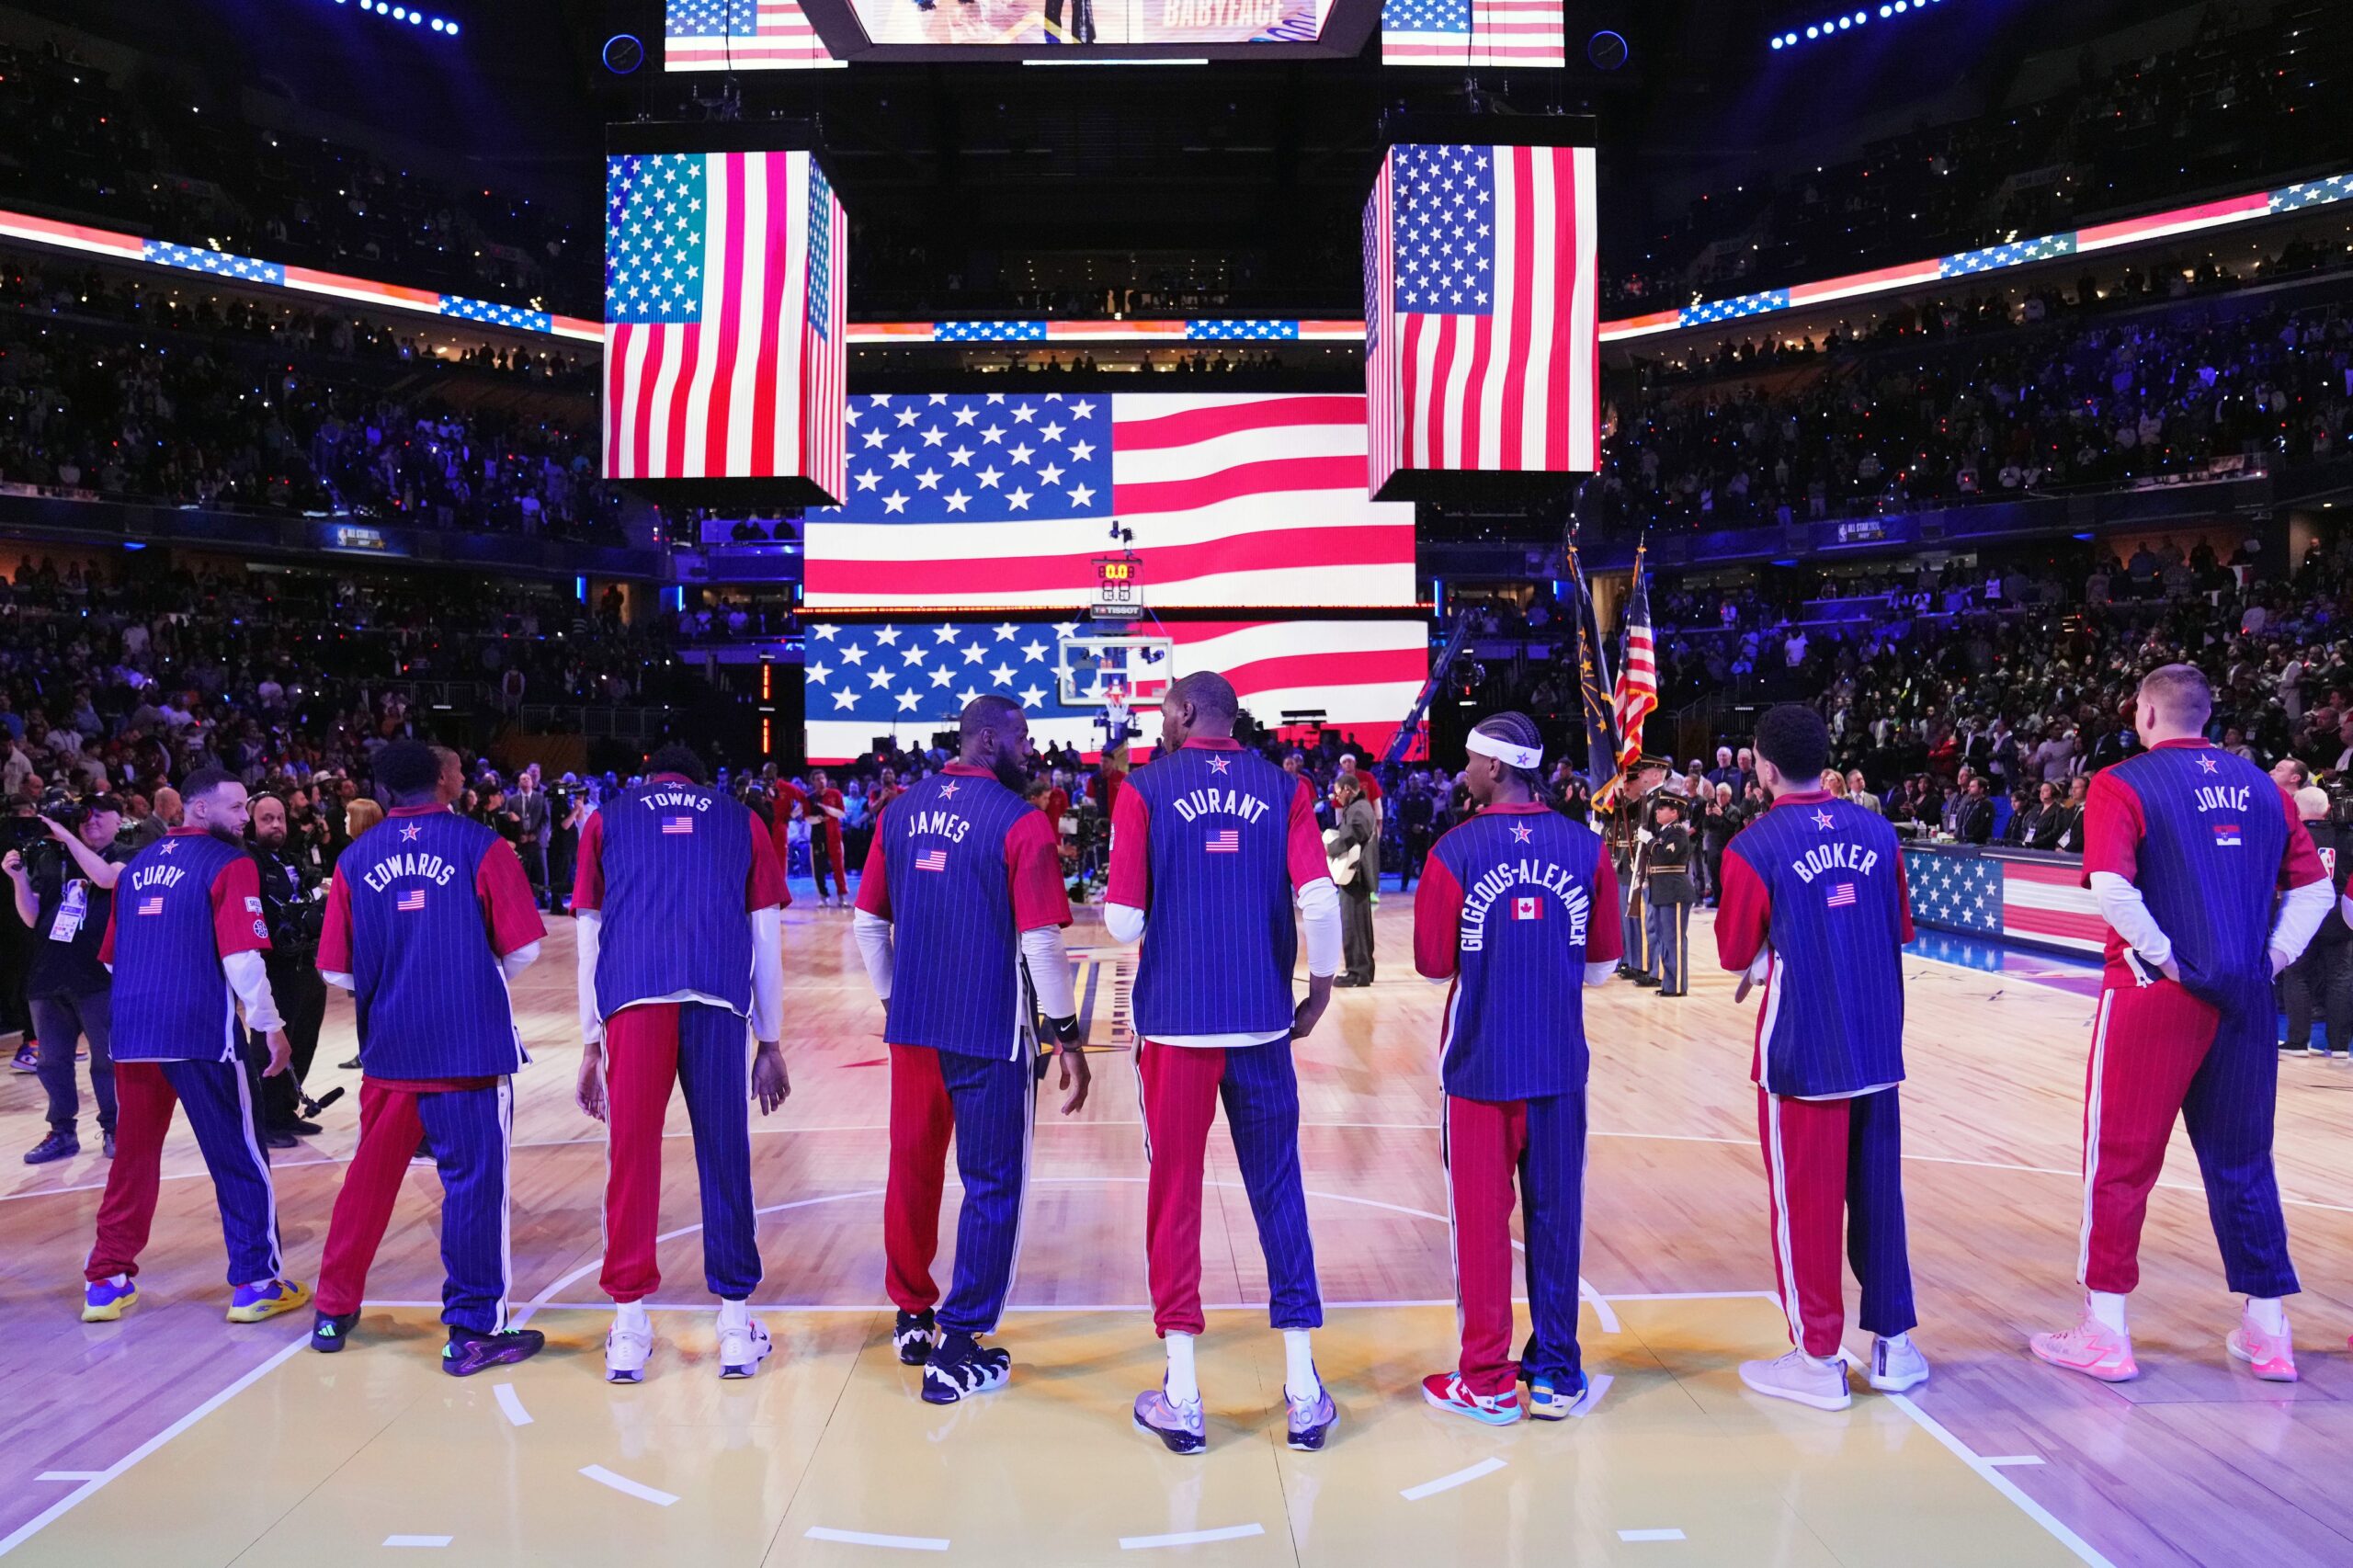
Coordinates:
1481	325
741	35
1004	498
2042	903
1524	33
909	679
1637	695
723	311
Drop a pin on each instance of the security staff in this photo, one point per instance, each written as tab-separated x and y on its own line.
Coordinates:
1630	828
2321	977
291	892
64	893
1668	893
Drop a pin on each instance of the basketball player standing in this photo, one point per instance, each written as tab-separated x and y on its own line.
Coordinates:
1209	844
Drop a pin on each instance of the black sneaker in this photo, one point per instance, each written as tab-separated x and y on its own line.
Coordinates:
297	1128
963	1365
914	1338
56	1146
469	1352
330	1331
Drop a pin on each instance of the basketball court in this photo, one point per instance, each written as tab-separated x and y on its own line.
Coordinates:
172	1433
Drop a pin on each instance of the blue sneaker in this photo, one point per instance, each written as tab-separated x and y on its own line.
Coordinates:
56	1146
330	1331
469	1352
1179	1427
259	1303
28	1058
1552	1398
1311	1419
103	1301
963	1365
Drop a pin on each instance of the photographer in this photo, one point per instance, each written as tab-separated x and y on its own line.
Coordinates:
289	895
64	891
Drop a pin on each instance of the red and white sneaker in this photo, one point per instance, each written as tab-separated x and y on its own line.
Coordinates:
2273	1356
2090	1347
1449	1391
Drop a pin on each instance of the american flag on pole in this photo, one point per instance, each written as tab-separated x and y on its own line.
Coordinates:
723	318
741	35
1527	33
1003	498
1481	324
1637	671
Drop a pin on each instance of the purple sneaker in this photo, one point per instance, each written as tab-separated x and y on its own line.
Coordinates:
1178	1427
469	1352
55	1146
103	1301
1311	1419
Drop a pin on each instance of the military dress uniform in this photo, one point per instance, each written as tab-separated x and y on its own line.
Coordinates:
1631	822
1668	893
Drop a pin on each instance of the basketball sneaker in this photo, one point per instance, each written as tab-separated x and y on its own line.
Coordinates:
264	1301
1897	1365
1312	1420
1799	1376
1549	1399
28	1058
55	1146
629	1344
961	1367
469	1352
1179	1427
2090	1347
744	1341
103	1301
2272	1356
1447	1390
914	1338
330	1331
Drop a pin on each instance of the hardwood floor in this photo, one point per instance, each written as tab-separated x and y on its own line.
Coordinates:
217	1443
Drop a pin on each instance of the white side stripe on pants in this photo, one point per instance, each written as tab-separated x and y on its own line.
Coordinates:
1785	1259
2091	1129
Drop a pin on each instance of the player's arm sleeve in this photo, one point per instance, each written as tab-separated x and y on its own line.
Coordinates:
106	943
589	879
1128	885
249	977
237	925
588	930
1744	912
335	935
1033	866
2113	828
1319	922
1049	964
1903	897
764	887
2310	895
2121	905
873	884
873	933
1605	935
767	974
1437	920
508	913
1304	844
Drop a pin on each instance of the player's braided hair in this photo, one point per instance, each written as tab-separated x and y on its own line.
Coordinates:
1519	729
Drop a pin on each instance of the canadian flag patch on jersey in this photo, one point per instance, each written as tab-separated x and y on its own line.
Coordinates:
1528	909
678	824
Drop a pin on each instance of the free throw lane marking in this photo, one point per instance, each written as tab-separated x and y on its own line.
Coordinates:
860	1537
1650	1535
604	1477
1449	1483
1189	1538
416	1540
69	1475
512	1403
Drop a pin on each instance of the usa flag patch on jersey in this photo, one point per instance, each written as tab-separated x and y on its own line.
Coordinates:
409	903
1226	842
1841	895
934	861
678	824
1528	909
152	906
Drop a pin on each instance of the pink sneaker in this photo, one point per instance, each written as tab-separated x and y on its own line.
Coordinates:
2090	1347
2273	1356
1447	1390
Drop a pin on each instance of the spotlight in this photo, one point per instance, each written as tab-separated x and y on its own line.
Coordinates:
453	29
1845	22
1813	32
1777	40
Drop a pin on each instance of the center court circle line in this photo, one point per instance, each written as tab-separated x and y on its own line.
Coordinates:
604	1477
864	1538
1190	1538
1485	1467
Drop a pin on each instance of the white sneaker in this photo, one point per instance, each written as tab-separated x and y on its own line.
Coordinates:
1798	1376
1897	1365
743	1342
628	1347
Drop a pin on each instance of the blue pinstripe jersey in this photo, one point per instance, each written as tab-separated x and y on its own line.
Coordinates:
1514	1017
956	940
1219	941
171	998
1822	879
676	857
432	1002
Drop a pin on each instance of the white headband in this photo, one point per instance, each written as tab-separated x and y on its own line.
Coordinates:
1484	745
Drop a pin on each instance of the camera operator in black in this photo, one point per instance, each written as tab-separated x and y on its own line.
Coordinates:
64	891
292	909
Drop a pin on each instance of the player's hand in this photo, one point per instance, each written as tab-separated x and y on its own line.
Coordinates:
1077	1077
2279	963
2172	970
589	1091
281	1052
771	1085
1318	997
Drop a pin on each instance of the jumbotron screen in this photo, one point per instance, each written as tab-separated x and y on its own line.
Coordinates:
783	35
973	500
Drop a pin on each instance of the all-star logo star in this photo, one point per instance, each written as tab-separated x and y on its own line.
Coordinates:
2206	765
947	790
1219	765
1520	834
1824	820
165	848
410	833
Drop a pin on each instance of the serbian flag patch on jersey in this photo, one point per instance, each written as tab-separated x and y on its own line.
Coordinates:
153	905
2226	834
1841	896
678	824
409	903
1528	909
1226	842
934	861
